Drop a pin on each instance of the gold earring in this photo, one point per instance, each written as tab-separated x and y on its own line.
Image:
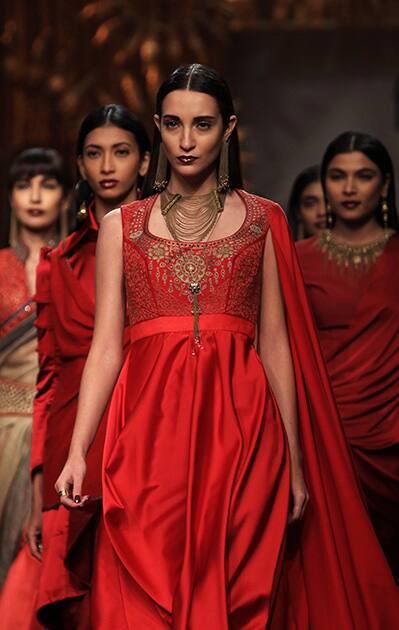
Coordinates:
13	233
385	213
161	181
82	212
223	175
330	220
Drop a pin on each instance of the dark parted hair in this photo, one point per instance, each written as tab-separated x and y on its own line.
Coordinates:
308	176
119	116
197	78
351	141
37	161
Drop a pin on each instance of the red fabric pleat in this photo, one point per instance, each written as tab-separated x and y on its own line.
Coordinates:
18	597
335	559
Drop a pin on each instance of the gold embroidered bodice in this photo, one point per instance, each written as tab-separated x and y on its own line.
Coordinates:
158	273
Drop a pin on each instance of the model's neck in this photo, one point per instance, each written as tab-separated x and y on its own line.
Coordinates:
355	233
192	186
34	241
103	206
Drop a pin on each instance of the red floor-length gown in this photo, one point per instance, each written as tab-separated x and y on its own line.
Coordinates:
196	469
65	300
357	315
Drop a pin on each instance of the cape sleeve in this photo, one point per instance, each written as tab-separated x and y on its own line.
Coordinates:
48	362
336	575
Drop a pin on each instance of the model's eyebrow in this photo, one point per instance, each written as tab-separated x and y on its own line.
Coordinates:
363	169
196	119
114	146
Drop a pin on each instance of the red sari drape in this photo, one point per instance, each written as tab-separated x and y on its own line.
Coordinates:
357	316
65	322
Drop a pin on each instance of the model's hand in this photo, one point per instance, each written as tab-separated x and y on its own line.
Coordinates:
69	483
299	493
33	530
33	534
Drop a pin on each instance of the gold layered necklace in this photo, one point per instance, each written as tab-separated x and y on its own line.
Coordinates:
357	257
191	219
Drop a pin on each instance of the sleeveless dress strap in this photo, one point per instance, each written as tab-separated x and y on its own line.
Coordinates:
133	217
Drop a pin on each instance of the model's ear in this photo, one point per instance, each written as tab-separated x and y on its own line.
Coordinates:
81	167
145	162
157	122
230	127
385	188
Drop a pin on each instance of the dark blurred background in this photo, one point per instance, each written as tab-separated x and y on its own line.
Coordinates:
301	71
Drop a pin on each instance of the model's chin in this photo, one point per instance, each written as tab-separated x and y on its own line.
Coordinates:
318	229
113	193
351	215
39	225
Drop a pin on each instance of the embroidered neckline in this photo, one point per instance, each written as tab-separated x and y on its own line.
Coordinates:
356	257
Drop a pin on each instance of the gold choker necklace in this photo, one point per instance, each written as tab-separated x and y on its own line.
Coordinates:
358	257
191	218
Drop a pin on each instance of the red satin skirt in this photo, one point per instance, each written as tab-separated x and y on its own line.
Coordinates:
196	483
18	597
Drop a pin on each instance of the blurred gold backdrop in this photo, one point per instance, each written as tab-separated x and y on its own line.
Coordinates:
61	59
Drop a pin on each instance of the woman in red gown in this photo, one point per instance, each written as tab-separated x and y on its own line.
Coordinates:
112	154
351	276
306	209
37	195
203	455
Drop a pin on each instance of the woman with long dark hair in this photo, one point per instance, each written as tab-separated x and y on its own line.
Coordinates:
351	274
112	157
38	214
306	210
204	458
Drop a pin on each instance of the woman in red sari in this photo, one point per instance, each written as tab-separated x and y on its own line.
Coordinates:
112	154
206	444
37	195
351	275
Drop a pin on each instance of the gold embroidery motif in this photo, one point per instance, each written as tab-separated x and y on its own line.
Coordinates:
135	234
157	251
224	251
255	228
190	268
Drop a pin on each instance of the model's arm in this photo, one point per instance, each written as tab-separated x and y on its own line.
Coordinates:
45	387
104	360
275	352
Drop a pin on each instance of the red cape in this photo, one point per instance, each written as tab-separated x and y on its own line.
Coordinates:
336	575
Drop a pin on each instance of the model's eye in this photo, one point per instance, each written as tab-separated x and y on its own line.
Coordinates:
50	184
204	124
335	176
366	176
93	153
22	184
170	124
122	152
309	203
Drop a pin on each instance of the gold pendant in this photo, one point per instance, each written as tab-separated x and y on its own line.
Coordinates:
190	268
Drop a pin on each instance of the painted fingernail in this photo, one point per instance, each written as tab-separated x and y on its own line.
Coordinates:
77	498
